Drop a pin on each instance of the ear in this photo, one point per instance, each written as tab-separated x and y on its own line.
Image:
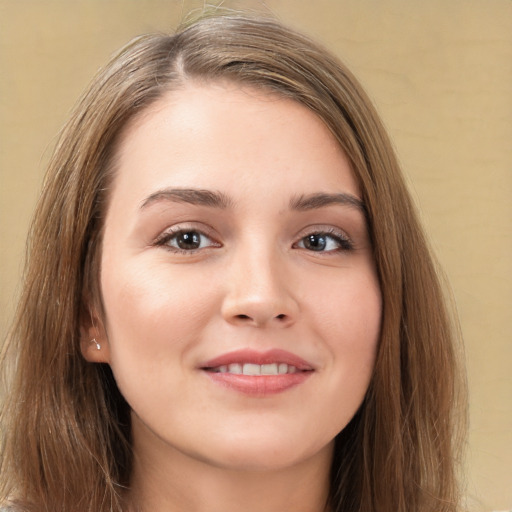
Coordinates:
93	339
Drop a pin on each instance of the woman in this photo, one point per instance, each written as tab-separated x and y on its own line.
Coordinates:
229	303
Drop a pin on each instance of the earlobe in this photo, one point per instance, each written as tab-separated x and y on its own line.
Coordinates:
95	349
93	342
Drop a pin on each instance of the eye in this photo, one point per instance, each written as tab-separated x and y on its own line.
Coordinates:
186	240
324	242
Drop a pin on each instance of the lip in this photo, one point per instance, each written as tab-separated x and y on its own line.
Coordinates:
258	385
255	357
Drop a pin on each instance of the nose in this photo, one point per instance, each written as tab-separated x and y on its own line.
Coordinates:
259	293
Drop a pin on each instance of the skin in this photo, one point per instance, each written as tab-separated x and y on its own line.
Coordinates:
253	282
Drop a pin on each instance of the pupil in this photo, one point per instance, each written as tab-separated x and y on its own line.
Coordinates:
189	240
315	242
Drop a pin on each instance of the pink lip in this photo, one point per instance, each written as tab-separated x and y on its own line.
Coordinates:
254	357
258	385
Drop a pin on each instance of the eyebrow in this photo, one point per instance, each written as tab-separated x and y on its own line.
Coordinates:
189	195
214	199
320	200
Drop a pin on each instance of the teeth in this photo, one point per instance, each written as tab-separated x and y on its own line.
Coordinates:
252	369
269	369
256	369
235	368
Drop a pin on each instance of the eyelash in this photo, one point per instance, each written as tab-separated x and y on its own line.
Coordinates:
342	240
173	233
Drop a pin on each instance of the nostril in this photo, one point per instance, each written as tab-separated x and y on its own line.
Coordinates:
282	316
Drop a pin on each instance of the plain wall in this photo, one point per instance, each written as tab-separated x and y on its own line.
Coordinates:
440	73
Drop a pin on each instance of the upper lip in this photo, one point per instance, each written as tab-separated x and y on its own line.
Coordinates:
255	357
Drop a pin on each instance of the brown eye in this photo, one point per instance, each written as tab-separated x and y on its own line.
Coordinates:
187	240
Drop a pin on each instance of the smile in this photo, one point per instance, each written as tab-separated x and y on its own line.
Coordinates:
256	369
258	374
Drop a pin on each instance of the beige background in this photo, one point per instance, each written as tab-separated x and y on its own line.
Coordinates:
440	72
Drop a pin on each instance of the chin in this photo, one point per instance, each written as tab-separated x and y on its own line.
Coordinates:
266	454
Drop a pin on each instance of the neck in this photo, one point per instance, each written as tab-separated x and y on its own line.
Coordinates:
171	481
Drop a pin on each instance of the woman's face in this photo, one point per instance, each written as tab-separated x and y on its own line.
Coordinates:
242	306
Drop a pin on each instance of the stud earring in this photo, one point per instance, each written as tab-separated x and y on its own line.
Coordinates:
98	346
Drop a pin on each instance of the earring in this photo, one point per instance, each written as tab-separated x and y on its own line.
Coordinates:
98	346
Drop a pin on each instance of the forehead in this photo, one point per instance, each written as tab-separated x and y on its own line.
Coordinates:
227	136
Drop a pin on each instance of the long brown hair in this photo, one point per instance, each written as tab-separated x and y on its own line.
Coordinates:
66	428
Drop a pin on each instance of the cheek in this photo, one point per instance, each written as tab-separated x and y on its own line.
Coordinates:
154	320
350	312
348	319
148	310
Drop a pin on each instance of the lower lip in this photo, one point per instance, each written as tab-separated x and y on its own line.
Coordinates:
259	385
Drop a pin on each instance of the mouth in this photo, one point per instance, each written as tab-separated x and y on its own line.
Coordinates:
255	369
258	373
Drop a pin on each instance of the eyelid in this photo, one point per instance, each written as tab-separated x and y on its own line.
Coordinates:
346	243
170	232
